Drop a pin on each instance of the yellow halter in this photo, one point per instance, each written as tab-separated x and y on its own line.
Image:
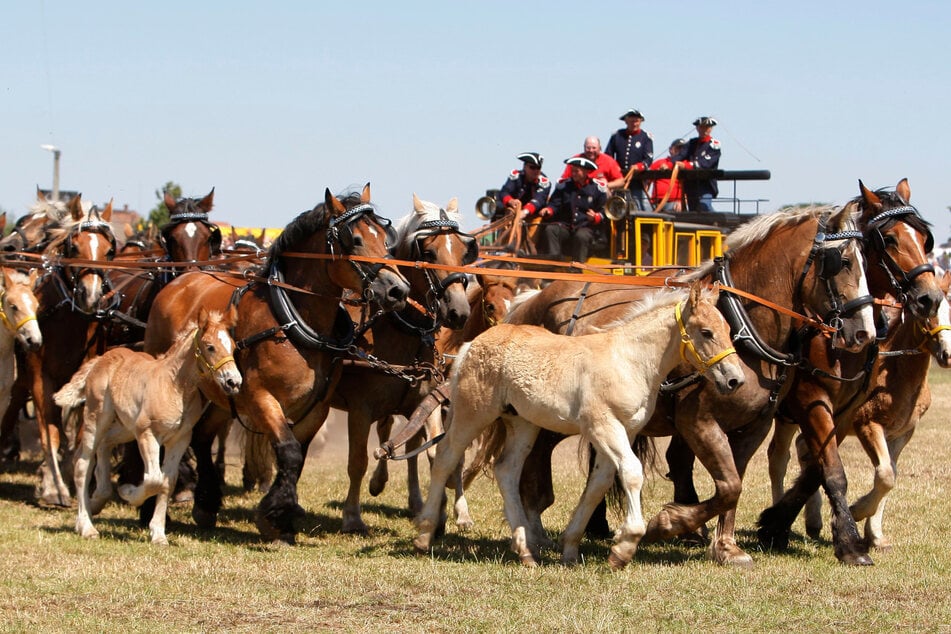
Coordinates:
933	334
204	367
687	344
3	314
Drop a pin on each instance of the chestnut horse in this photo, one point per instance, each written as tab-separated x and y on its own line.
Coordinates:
70	317
771	257
18	308
535	379
374	387
885	423
877	386
127	395
289	331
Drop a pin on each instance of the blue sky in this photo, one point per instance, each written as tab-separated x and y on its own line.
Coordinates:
272	104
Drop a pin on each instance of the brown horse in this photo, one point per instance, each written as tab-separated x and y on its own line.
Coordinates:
723	430
405	338
534	379
826	407
885	423
70	295
128	395
289	331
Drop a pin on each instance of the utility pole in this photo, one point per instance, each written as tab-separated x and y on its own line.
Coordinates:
56	152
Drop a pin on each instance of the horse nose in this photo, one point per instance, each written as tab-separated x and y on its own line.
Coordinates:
928	305
397	293
862	337
32	344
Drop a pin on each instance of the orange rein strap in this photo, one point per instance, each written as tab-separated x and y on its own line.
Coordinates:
686	343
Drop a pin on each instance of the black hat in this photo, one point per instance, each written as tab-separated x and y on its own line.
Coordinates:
678	142
582	162
633	112
710	121
531	157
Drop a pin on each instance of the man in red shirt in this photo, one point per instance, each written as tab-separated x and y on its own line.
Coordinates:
662	186
607	170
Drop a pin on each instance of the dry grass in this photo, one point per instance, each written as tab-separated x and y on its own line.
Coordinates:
227	579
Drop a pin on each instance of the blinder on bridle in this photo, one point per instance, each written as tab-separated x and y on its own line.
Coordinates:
340	232
444	225
214	238
901	279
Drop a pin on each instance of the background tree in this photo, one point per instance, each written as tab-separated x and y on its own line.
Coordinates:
159	214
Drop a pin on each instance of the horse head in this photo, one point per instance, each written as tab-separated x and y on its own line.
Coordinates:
431	234
705	339
496	297
85	240
18	307
898	241
214	348
189	236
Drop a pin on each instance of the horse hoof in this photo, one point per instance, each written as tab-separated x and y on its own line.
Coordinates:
814	532
207	519
89	533
465	524
354	528
160	541
771	539
377	485
54	501
616	562
857	559
184	496
421	543
528	561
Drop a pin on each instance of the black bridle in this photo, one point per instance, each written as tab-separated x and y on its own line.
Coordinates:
340	234
442	226
900	279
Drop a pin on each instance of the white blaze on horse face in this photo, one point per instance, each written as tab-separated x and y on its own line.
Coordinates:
225	341
191	229
912	234
94	285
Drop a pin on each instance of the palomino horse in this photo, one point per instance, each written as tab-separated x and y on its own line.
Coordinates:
18	308
534	379
69	318
289	331
370	390
884	424
771	257
874	387
127	395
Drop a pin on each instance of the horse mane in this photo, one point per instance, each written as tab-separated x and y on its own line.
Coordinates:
306	224
64	227
188	206
660	299
518	303
411	225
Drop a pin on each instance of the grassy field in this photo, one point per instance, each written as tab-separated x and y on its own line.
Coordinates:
227	579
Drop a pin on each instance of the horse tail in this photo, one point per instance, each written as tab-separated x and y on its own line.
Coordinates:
491	443
260	463
73	394
646	451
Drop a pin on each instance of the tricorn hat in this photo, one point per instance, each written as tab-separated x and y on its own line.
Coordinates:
710	121
582	162
531	157
633	112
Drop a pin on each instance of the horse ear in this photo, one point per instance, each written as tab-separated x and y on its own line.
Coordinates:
208	201
417	204
202	317
127	230
869	197
76	207
7	280
263	235
904	190
453	205
106	214
34	275
694	294
231	319
170	202
945	283
3	222
234	235
40	196
333	205
840	219
365	194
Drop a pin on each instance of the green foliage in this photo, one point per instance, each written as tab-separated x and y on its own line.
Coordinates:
159	214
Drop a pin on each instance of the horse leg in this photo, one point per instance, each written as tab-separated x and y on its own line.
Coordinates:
381	474
152	480
884	456
710	444
173	455
103	492
52	488
258	470
222	438
597	527
89	437
520	437
535	485
812	509
358	433
450	451
680	460
723	547
778	455
208	484
9	438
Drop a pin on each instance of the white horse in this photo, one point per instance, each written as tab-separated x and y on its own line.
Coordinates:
603	386
156	402
18	307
